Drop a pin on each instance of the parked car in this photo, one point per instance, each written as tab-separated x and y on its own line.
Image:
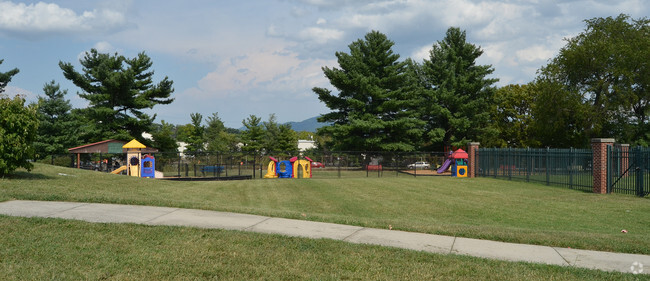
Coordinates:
419	165
317	165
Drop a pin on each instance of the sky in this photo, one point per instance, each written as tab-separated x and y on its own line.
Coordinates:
257	57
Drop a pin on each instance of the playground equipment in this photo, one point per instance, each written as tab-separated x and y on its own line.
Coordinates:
136	164
292	168
271	172
458	162
148	164
119	170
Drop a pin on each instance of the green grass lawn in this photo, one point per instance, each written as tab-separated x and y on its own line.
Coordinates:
478	208
56	249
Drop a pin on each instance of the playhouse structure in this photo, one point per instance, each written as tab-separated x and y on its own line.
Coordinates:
292	168
137	165
457	160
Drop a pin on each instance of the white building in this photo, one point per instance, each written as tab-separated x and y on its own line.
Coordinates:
306	144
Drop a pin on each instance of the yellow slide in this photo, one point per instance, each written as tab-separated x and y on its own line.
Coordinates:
119	170
270	171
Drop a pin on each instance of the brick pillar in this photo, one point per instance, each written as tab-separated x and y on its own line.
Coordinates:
599	148
473	159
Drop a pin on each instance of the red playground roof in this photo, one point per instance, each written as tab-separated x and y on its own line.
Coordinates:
459	154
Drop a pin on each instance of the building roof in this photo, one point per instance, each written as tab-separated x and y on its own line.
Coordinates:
99	147
107	146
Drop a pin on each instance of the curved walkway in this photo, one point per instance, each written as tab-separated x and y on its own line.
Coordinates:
113	213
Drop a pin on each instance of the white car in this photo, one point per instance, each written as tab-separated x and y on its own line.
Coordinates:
419	165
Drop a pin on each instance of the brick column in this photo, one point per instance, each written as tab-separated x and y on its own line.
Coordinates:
599	168
473	159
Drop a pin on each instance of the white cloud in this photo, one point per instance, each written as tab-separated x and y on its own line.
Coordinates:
12	91
422	53
535	54
102	47
44	17
494	52
259	74
320	35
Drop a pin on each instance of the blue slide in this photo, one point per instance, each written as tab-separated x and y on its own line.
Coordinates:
445	166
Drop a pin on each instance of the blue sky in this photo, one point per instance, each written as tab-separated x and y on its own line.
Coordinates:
264	56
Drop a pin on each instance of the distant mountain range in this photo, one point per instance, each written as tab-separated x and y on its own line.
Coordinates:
309	125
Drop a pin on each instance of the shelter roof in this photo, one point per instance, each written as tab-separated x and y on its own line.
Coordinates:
106	146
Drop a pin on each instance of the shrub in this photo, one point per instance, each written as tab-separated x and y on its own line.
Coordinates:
18	125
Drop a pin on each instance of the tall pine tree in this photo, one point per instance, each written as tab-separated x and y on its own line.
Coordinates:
253	136
458	93
118	89
373	109
5	77
58	129
196	139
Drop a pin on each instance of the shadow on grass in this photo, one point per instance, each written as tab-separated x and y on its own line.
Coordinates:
24	175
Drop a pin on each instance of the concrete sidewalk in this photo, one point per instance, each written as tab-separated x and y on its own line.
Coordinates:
112	213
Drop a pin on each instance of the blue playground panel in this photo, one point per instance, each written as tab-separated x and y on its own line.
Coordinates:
285	173
148	169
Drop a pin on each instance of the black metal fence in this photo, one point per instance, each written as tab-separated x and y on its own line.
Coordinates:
628	170
325	164
570	168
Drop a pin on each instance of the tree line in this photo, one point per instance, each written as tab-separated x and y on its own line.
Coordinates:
597	86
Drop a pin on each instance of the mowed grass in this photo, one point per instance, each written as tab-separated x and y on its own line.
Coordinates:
478	208
55	249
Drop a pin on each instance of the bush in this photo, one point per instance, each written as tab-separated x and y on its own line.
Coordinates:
18	125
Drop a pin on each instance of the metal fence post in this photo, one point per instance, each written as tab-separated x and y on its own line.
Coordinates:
548	167
610	174
509	163
179	165
339	165
529	164
571	164
640	172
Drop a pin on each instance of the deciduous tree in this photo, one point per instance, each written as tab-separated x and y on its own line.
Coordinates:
511	116
163	139
608	66
18	127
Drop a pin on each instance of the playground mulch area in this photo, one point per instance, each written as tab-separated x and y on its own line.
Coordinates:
425	173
